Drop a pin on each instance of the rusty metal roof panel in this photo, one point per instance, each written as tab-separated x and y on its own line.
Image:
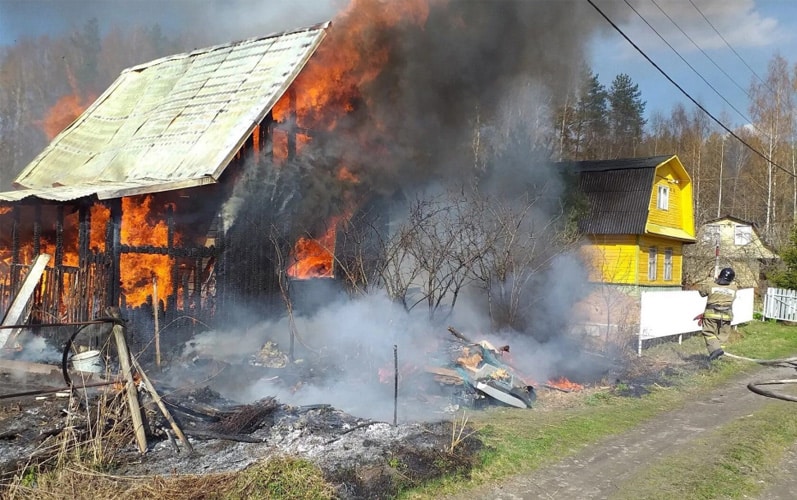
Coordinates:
178	120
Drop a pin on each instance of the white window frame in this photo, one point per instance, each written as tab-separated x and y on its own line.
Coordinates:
711	233
742	235
668	264
652	263
663	198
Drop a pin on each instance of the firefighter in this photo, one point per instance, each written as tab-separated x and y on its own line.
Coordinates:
716	318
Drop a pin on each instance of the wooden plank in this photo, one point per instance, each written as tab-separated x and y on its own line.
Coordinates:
17	313
10	365
130	386
156	397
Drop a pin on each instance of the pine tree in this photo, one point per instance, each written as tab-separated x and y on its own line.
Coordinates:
582	121
592	107
626	121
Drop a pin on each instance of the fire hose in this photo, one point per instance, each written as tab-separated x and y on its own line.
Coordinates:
756	386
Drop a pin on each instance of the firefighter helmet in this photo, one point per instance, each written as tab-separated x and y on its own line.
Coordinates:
726	276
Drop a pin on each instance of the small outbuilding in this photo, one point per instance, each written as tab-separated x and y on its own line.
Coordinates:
728	242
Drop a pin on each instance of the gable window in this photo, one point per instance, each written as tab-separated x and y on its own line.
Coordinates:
742	235
663	200
652	252
668	264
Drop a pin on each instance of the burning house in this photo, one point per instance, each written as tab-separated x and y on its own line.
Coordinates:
135	198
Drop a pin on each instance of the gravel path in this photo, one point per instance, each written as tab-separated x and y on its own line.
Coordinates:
597	471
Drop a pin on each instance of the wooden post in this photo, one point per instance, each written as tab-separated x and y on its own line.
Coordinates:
127	373
395	383
156	397
156	313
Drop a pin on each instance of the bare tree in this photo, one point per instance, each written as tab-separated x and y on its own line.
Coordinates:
772	112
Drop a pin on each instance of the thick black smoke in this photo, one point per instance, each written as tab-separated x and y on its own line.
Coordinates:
452	77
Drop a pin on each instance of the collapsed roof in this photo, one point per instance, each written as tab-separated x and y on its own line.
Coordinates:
172	123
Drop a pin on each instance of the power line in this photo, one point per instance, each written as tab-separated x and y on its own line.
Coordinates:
684	92
702	51
687	63
729	46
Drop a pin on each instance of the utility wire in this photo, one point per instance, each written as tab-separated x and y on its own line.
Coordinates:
732	49
684	92
748	120
702	51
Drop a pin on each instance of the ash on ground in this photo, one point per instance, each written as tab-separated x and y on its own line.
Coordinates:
363	458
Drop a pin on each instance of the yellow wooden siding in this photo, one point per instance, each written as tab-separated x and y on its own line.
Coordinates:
677	220
612	258
661	244
673	216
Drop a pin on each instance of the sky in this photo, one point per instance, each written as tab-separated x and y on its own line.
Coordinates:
713	53
717	46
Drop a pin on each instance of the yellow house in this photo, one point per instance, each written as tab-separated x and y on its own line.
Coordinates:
638	218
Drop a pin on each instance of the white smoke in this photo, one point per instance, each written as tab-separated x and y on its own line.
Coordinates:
344	350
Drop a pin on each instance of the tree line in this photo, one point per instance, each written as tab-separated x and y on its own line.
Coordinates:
750	174
591	121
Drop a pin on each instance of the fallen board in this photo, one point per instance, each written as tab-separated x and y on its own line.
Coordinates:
17	313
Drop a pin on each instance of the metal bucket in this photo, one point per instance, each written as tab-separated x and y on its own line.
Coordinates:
89	361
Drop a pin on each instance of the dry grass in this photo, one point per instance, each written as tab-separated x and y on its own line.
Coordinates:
278	477
73	465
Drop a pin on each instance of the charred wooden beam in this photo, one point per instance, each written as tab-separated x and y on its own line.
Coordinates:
15	229
292	131
198	284
37	230
113	237
59	260
84	234
204	252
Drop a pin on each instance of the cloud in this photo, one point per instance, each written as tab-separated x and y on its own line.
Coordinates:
741	23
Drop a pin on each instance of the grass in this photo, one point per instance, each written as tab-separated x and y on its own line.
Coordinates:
523	441
282	478
729	463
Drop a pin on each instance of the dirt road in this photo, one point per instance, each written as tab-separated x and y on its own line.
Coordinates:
599	470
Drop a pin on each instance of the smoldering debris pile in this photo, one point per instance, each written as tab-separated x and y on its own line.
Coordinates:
226	436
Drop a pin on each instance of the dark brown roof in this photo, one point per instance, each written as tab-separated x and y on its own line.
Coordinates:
617	192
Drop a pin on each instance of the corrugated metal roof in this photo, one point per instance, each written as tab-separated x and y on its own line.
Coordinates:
171	123
618	193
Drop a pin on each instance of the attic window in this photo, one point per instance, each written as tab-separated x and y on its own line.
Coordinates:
742	235
663	200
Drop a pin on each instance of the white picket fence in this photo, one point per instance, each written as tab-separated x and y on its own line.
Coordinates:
780	303
663	314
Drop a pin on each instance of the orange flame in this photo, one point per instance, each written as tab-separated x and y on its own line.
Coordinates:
313	258
63	113
138	270
565	384
327	88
